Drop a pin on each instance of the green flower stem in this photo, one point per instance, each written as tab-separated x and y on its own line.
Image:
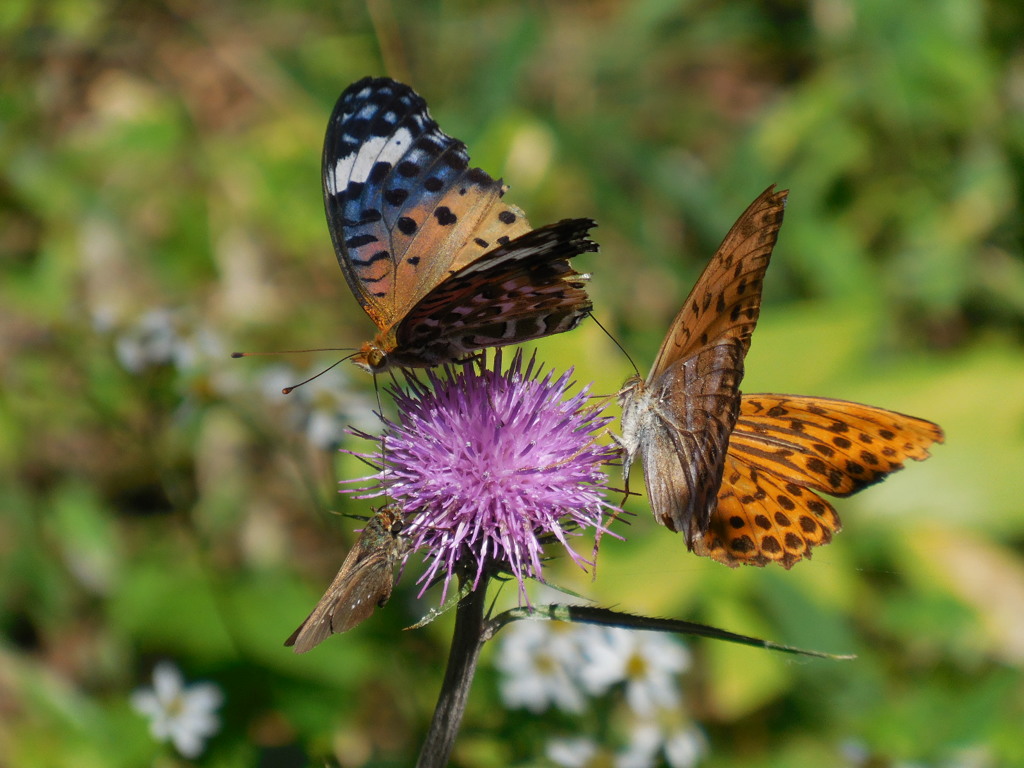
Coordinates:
458	677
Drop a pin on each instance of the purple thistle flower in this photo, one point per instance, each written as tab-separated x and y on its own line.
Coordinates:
493	465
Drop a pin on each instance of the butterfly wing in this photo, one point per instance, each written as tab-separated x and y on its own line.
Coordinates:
719	314
726	299
363	582
403	205
523	290
783	449
762	518
683	424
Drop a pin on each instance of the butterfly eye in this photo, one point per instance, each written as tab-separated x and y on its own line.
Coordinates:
628	389
370	358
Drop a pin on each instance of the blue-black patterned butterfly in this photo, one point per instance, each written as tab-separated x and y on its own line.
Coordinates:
435	257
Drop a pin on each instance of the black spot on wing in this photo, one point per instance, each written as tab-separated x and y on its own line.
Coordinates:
444	216
407	169
379	173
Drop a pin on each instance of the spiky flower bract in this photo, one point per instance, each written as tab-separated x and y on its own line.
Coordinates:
493	464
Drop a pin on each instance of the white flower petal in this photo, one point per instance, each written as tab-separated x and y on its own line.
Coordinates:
532	659
685	748
203	696
571	753
145	702
167	682
189	744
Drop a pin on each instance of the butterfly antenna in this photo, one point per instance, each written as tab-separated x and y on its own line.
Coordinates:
296	352
615	342
352	516
289	390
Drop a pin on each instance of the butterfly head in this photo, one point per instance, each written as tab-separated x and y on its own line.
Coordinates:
372	358
631	398
382	355
632	386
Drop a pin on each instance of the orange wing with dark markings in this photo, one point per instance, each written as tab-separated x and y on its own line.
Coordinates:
739	476
783	450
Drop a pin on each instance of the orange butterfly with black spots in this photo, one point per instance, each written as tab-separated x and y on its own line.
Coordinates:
739	475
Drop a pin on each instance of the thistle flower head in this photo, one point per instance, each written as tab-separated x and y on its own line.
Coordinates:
493	464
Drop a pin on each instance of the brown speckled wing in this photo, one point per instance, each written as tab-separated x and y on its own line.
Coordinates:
726	299
364	582
524	290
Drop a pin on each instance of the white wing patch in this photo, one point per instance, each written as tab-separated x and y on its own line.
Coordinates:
356	166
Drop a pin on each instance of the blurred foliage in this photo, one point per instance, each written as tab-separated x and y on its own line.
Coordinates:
160	205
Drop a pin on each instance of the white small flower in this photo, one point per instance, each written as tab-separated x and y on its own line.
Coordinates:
682	742
168	338
538	660
642	752
183	715
647	662
685	747
153	340
573	753
322	408
199	349
855	752
644	744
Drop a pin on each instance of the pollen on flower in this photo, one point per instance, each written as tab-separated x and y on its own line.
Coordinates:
493	464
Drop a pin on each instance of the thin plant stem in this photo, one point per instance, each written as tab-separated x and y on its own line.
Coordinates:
458	677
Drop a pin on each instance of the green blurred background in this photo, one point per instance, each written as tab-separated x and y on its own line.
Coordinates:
167	502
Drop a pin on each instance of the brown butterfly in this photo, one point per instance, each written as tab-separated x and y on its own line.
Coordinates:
363	583
737	474
434	256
